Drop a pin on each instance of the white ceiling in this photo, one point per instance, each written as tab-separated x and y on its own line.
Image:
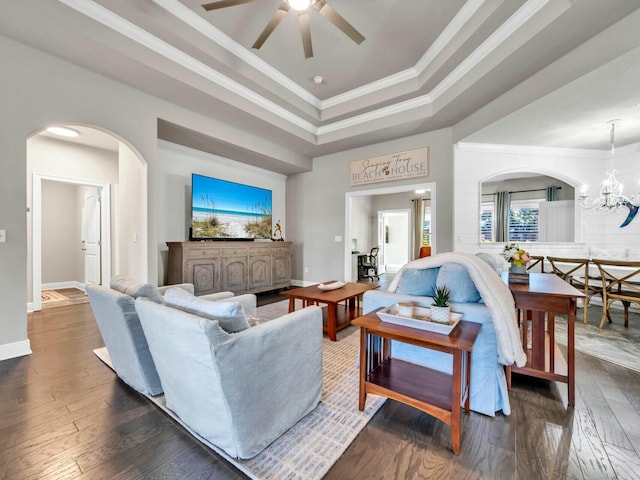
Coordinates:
534	72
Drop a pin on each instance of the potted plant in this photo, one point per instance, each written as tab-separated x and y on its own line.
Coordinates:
440	309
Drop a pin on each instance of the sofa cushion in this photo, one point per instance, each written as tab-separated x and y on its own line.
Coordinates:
457	280
229	314
418	281
136	289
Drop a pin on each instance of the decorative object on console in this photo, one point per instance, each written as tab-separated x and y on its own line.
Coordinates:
440	309
277	233
518	259
611	198
332	285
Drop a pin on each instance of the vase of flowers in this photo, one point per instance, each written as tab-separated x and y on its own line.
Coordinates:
517	258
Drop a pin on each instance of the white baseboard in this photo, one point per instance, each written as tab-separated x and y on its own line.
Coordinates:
59	285
15	349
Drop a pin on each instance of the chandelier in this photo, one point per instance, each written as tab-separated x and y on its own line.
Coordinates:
611	198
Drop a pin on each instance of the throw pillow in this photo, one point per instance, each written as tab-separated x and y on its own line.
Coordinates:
136	289
418	281
459	282
230	314
124	284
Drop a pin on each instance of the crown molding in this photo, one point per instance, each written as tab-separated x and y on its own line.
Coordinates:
496	39
137	34
198	23
126	28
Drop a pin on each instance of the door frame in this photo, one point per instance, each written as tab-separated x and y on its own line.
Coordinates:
431	186
36	232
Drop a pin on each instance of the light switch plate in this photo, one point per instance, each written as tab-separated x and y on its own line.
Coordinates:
3	236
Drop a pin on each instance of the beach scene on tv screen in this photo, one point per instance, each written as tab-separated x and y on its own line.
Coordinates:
222	209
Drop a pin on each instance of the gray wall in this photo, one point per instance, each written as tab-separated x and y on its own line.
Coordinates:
37	90
316	203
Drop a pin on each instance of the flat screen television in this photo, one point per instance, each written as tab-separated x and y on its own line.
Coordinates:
223	210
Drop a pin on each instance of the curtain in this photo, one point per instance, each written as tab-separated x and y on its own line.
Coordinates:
418	225
552	194
503	199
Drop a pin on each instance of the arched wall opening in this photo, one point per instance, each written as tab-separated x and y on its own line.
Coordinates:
96	159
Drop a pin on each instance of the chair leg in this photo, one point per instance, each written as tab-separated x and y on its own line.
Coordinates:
626	313
605	314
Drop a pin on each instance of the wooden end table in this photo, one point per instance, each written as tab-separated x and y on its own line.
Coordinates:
335	320
436	393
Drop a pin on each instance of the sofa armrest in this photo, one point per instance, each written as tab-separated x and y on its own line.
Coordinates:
185	286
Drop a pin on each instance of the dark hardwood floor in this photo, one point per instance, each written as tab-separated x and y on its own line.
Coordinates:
64	415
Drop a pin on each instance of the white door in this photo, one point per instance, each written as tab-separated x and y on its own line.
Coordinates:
91	236
394	238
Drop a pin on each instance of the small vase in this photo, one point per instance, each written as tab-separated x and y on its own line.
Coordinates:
515	269
440	314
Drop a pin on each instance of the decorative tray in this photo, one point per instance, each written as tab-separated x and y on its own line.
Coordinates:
421	319
332	285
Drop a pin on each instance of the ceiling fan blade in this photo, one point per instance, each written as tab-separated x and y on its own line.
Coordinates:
334	17
224	4
305	30
273	23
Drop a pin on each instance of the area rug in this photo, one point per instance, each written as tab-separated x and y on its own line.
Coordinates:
614	343
51	296
309	449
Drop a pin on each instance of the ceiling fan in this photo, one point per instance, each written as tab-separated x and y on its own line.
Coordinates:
302	7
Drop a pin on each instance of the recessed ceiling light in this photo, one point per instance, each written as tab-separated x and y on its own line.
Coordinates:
420	192
63	131
318	79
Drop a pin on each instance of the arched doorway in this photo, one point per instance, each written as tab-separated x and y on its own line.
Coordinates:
93	164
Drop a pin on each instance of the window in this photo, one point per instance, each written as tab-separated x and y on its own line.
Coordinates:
486	222
523	221
426	228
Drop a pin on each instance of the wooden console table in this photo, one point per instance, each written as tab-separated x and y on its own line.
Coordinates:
239	267
545	295
436	393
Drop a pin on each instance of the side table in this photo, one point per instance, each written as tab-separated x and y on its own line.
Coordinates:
431	391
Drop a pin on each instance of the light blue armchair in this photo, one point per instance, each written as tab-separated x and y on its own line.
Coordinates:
238	391
117	319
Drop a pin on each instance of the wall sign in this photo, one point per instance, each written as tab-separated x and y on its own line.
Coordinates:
393	166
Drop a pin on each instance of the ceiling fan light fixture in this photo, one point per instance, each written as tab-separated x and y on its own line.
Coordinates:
300	5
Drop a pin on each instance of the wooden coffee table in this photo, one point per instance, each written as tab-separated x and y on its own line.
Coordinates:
337	318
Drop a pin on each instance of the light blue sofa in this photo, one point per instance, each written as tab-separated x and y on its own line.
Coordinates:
489	392
238	391
117	319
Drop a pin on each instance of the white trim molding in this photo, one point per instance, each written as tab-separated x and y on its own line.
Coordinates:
15	349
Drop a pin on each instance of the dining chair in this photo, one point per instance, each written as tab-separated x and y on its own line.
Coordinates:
575	271
534	262
620	282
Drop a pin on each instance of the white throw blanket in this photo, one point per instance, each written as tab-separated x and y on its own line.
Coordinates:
494	293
